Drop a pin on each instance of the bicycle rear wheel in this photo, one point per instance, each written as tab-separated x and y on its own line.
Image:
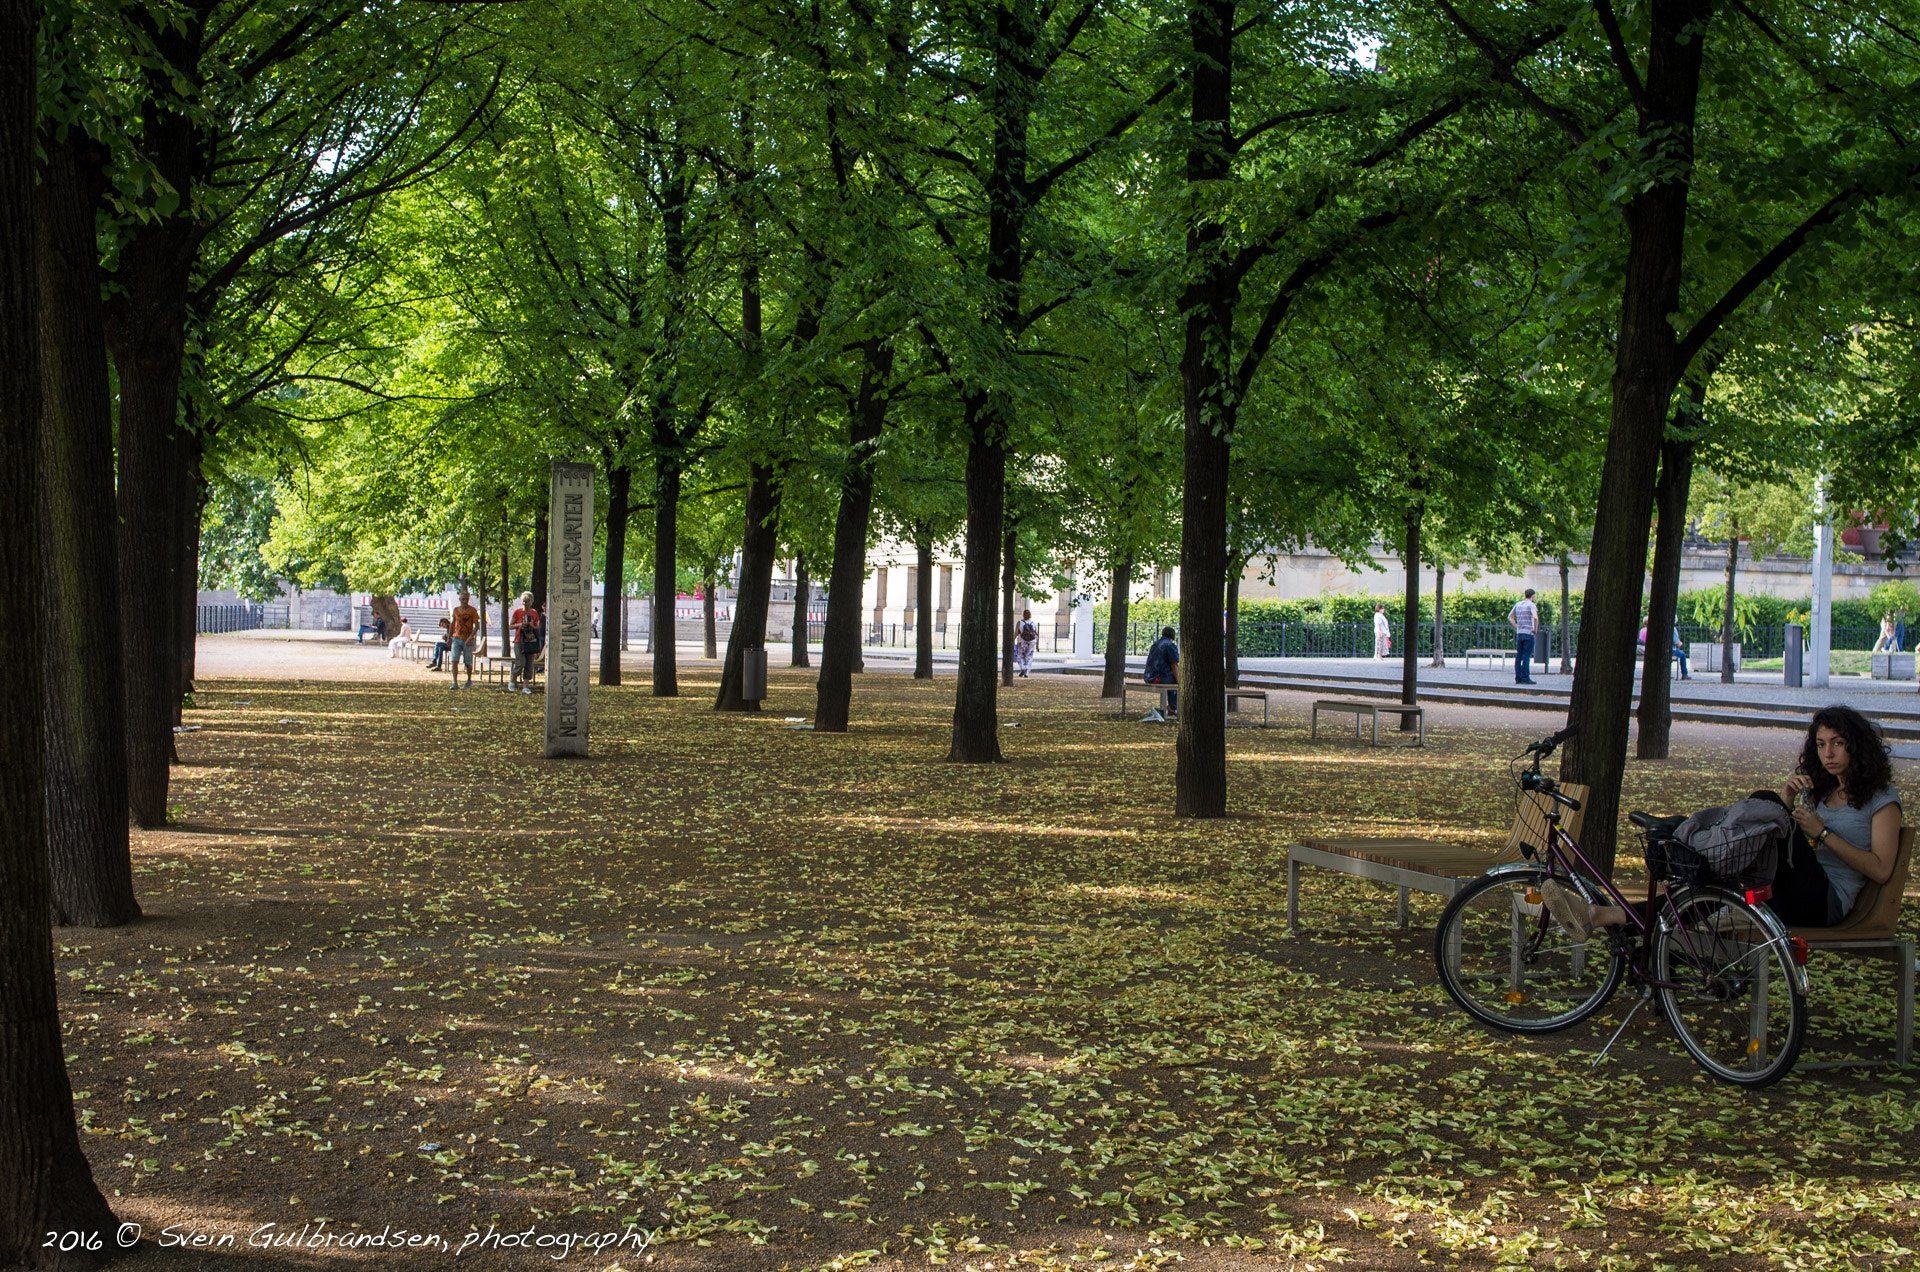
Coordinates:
1728	987
1506	961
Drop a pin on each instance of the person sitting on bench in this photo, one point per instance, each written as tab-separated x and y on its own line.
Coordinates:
1847	820
1163	668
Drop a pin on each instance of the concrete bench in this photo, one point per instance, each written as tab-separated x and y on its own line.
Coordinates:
1872	930
1164	690
1421	865
1889	666
1371	711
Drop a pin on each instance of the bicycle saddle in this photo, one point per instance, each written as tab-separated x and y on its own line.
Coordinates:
1647	821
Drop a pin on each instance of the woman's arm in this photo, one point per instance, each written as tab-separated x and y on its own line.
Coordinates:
1875	863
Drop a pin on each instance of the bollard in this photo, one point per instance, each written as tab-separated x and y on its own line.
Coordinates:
1790	656
753	674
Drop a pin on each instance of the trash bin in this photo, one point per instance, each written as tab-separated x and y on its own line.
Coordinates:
753	675
1791	654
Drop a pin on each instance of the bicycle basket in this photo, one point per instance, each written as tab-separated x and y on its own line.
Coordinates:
1746	862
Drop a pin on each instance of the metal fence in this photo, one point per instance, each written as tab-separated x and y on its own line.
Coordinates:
213	619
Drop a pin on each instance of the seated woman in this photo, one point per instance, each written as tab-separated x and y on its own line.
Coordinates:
1848	816
401	641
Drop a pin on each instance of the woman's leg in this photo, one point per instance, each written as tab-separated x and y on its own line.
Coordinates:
1800	888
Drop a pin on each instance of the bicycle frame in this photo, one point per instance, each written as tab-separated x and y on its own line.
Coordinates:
1561	845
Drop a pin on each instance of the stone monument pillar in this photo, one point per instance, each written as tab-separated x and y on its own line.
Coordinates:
569	606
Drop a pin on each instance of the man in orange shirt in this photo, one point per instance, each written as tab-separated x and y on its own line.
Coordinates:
466	627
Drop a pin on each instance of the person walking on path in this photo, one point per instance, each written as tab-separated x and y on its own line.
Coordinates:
1026	634
466	625
1163	668
529	634
1525	618
1382	633
1887	642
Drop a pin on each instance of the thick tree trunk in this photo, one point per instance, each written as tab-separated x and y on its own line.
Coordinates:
146	334
1656	694
1206	307
666	554
186	575
86	786
800	601
1006	606
1439	658
46	1184
1566	617
840	650
1646	369
754	593
148	497
1410	620
386	607
976	720
1114	674
1726	621
538	583
1232	623
709	623
923	610
614	587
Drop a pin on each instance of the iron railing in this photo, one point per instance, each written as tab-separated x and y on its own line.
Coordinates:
242	617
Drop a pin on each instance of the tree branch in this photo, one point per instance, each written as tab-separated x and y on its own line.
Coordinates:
1617	45
1503	70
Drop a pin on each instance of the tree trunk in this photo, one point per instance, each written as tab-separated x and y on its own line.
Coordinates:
1006	607
506	606
1646	369
840	650
480	595
760	540
186	575
976	720
1656	694
800	600
538	583
1114	675
1232	623
86	784
613	588
1566	618
923	610
1206	306
710	644
666	555
46	1184
1439	658
1410	620
1726	621
386	608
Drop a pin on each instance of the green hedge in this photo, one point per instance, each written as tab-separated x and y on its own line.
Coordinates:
1475	606
1471	606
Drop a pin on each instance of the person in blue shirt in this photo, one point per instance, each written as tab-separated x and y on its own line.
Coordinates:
1163	666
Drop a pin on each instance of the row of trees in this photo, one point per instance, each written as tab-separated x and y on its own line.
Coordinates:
1112	284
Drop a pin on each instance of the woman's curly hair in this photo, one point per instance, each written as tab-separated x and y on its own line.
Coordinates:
1868	769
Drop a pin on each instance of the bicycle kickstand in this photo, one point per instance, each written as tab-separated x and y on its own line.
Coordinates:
1646	996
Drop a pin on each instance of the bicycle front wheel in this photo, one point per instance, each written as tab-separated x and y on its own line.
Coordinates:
1505	960
1724	978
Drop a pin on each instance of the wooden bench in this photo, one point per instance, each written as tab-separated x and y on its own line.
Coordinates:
1421	864
1164	690
1872	929
1372	710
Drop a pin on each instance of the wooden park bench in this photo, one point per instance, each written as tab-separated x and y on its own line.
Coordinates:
1163	690
1872	929
1421	864
1370	711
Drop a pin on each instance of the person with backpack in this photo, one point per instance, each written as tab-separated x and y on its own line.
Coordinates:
529	635
1026	634
1163	668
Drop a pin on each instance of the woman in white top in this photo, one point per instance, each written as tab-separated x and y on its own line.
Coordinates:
401	641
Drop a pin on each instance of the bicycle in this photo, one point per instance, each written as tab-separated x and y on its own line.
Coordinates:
1727	975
